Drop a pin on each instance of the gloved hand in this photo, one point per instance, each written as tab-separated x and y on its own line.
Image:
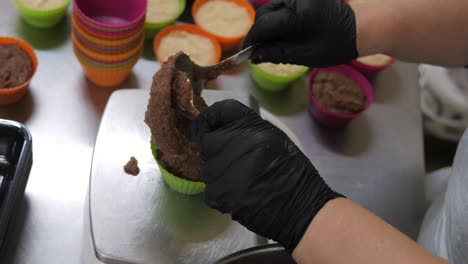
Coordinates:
253	171
315	33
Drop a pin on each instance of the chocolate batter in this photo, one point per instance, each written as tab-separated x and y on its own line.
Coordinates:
132	167
169	111
15	66
339	93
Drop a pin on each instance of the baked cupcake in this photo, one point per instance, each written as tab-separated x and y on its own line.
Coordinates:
275	77
171	106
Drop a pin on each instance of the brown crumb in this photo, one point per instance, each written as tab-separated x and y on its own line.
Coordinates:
132	167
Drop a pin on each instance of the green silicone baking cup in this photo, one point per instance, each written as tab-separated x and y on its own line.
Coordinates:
272	82
42	18
152	28
177	184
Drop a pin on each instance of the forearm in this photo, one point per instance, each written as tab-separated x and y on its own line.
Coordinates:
343	232
428	31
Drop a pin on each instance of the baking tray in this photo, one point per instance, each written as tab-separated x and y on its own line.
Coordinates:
15	165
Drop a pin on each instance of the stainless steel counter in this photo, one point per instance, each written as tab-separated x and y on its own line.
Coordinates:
376	161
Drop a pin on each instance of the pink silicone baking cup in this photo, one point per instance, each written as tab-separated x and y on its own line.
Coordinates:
113	48
107	57
106	35
111	15
107	63
369	70
328	117
259	3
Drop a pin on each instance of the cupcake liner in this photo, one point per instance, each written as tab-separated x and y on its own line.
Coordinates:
330	118
227	43
177	184
108	48
42	18
272	82
259	3
105	64
108	57
105	77
370	70
152	28
112	36
98	40
122	16
192	29
14	94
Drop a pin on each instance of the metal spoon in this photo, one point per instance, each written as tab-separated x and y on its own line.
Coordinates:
199	75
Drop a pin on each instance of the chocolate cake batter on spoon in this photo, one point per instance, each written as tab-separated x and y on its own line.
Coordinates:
175	99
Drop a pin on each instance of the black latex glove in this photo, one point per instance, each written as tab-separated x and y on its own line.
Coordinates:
255	172
315	33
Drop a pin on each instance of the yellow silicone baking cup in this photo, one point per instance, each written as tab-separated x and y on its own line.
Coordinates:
176	183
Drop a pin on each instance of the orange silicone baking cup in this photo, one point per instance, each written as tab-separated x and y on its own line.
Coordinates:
106	77
191	29
228	43
14	94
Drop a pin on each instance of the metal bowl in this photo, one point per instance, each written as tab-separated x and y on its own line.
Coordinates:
271	254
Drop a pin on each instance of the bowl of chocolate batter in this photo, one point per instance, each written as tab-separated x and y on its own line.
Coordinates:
18	63
338	95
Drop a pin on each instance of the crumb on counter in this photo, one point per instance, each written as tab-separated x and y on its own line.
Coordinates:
132	166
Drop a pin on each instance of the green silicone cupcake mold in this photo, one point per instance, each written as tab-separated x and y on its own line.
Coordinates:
176	183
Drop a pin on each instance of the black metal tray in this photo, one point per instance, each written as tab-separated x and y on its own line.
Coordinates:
265	254
15	165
